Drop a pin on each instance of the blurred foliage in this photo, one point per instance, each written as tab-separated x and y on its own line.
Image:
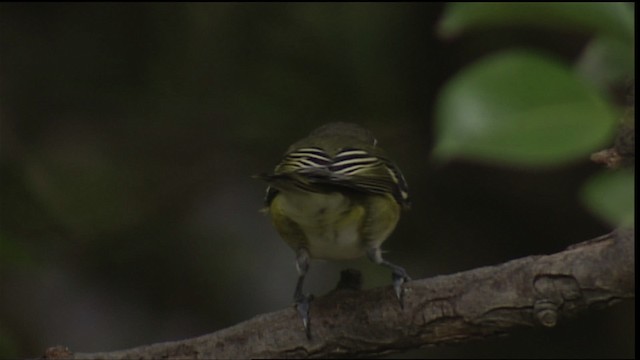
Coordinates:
606	62
522	108
614	19
612	195
129	132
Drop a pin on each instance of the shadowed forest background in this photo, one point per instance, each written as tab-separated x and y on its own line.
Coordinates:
129	134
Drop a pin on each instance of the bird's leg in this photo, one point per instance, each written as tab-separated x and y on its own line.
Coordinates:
398	274
301	300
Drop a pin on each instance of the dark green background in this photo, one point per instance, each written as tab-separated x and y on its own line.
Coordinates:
129	134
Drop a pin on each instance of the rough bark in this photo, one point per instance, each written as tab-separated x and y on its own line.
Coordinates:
531	291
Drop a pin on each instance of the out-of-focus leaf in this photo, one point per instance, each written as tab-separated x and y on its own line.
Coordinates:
83	187
13	252
610	18
519	108
610	195
606	61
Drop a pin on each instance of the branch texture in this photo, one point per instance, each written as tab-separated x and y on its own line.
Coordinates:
531	291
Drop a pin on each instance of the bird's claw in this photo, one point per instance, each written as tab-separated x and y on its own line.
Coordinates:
399	277
303	304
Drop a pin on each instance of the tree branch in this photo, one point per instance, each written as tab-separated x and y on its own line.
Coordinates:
531	291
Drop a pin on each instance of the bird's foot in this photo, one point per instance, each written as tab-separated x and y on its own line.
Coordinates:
303	304
399	276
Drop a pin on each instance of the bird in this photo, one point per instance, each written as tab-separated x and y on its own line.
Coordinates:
336	195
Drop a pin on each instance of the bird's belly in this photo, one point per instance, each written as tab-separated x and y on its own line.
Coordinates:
335	243
331	223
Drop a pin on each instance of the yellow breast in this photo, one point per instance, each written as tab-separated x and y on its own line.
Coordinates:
333	226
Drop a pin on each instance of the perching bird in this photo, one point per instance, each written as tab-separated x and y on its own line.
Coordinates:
335	195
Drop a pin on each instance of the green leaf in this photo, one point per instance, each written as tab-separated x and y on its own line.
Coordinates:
610	195
519	108
605	62
604	18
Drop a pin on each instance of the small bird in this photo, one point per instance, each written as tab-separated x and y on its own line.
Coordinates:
336	196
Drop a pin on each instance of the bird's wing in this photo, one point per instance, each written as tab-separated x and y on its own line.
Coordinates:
312	169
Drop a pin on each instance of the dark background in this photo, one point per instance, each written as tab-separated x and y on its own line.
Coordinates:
129	134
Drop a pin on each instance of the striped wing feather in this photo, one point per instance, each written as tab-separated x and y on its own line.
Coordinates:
312	169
